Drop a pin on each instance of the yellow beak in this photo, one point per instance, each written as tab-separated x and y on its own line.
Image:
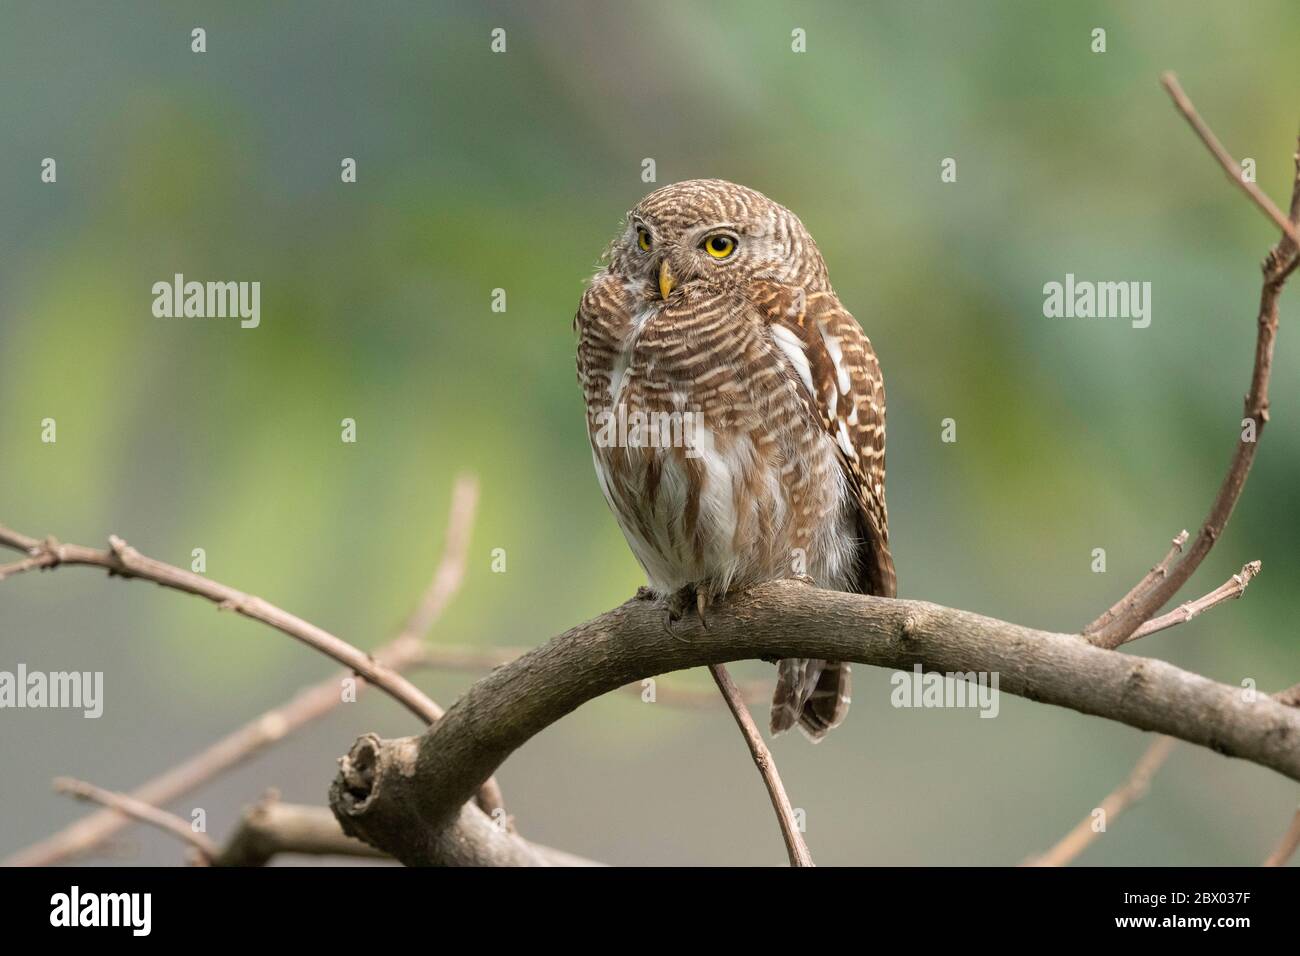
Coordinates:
666	281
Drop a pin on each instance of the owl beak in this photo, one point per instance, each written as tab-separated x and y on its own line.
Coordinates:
666	280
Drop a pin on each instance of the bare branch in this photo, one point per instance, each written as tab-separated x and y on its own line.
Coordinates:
141	811
1152	577
1278	266
1139	780
1116	802
385	771
795	847
125	561
1230	166
1290	696
1229	590
274	725
443	767
266	830
269	828
1286	848
1078	839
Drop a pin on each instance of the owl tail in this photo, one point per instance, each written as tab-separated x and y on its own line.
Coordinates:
811	693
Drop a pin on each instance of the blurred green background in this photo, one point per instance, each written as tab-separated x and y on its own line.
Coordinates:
478	171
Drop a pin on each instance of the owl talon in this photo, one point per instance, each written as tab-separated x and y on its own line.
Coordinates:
671	617
680	603
644	593
803	579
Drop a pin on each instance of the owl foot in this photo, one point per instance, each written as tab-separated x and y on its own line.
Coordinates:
680	603
644	593
803	579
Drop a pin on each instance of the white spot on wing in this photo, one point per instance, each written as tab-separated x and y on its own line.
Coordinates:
790	344
837	359
846	443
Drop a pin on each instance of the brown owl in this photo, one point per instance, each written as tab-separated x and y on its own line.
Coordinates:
737	415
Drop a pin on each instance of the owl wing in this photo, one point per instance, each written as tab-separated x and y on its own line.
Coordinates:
840	379
602	320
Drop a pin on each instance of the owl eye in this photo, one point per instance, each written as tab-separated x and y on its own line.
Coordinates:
643	238
719	246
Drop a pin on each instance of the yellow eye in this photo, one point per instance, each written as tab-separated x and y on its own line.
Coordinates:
720	246
643	238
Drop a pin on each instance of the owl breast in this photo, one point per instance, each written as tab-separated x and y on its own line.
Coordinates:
704	447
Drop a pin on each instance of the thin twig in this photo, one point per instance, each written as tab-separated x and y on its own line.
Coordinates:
1287	846
1230	166
125	561
1157	573
1117	801
143	812
1133	789
795	846
1078	839
1281	261
306	706
1230	590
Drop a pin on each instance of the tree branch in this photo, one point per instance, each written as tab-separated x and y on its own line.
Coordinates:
460	658
141	811
795	847
1117	801
1129	792
1229	590
1287	847
384	770
1281	261
1230	166
269	828
122	560
409	790
1149	580
274	725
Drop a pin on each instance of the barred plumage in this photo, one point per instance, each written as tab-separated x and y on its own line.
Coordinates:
757	444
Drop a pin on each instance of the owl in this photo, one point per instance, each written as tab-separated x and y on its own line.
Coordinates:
737	416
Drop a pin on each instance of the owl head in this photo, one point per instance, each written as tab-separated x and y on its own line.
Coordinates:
716	233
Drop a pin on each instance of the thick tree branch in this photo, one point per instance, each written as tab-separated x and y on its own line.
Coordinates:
459	658
384	770
270	828
413	788
274	725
